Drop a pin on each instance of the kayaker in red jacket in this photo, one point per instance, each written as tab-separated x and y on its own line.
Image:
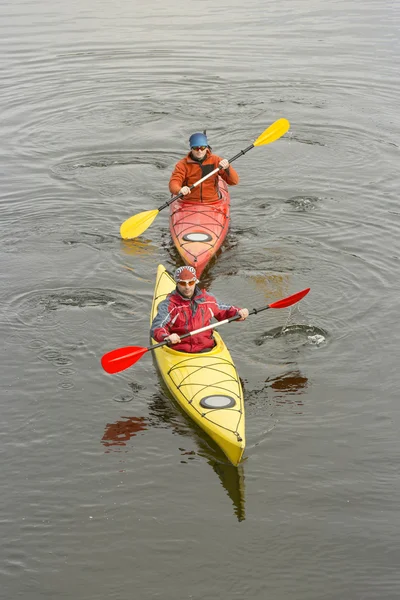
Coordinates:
188	308
197	164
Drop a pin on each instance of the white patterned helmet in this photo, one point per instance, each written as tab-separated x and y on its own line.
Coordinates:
185	274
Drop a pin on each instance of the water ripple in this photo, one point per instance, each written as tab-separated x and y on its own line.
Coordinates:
40	308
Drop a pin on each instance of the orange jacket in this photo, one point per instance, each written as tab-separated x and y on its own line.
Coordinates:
187	171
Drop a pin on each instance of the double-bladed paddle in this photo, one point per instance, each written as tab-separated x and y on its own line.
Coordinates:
123	358
136	225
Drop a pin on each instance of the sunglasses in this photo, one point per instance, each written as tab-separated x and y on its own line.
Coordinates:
189	283
199	147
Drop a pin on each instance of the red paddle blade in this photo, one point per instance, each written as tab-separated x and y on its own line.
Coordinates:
122	358
290	299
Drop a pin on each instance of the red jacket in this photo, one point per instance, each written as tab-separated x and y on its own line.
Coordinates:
187	171
180	315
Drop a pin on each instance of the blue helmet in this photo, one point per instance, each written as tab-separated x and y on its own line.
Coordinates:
198	139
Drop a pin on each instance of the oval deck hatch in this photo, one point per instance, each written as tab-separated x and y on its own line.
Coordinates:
217	401
197	237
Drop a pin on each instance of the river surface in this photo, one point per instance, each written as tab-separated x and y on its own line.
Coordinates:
108	491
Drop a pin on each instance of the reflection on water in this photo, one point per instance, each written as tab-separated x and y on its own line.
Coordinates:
273	285
164	414
231	478
119	433
137	247
290	383
284	386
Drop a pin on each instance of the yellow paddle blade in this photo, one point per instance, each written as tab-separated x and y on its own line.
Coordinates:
273	132
136	225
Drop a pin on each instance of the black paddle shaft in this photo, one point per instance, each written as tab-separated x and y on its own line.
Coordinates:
254	311
171	200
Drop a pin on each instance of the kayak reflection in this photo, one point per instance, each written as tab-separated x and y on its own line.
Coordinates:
165	412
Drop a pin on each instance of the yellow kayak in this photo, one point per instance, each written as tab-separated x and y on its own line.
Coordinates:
205	385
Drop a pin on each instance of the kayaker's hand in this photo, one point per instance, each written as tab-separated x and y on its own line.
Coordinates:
224	164
173	338
185	190
244	313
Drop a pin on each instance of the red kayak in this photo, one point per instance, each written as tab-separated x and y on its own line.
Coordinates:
199	229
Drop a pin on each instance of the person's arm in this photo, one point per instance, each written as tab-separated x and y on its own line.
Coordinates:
159	330
228	173
177	178
224	311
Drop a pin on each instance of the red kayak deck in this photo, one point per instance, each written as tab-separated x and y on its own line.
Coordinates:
199	229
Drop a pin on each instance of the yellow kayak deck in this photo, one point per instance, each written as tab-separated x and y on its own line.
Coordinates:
206	385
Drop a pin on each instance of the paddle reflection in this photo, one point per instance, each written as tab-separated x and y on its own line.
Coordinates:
288	385
273	285
119	433
285	389
137	247
165	414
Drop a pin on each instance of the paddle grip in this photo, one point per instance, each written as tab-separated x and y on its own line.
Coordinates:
257	310
170	201
241	153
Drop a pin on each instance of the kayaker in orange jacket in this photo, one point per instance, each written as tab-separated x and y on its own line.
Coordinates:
188	308
197	164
